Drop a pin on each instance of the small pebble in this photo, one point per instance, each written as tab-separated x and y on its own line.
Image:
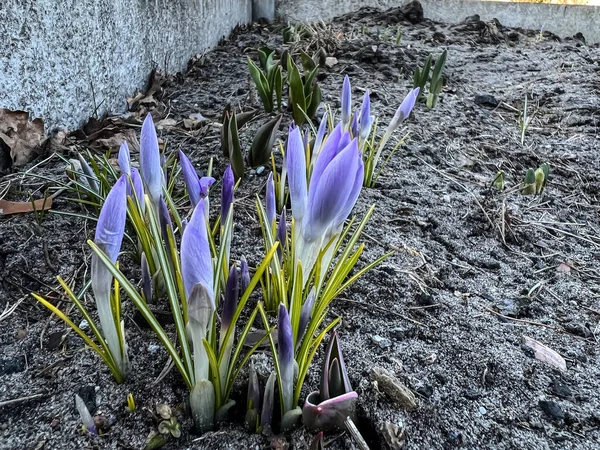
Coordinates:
561	389
552	409
84	325
153	348
260	170
381	341
482	410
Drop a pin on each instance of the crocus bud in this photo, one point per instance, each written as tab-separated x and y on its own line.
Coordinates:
305	314
320	136
190	178
334	187
366	119
90	176
232	292
196	262
285	352
270	199
86	418
138	188
244	276
110	227
150	164
165	220
346	103
124	158
354	125
146	279
404	109
227	193
296	168
281	234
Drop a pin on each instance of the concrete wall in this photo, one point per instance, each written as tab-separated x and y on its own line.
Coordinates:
563	20
52	50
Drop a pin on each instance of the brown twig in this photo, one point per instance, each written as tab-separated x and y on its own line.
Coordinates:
14	401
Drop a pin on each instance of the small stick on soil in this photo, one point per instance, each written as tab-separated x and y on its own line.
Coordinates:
529	322
21	400
360	441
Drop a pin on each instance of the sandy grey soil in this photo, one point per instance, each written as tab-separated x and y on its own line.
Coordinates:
474	270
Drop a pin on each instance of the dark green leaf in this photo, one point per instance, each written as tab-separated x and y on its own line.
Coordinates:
225	134
262	86
278	86
236	157
307	62
297	97
315	101
262	144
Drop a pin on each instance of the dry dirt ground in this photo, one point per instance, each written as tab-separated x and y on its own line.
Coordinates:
474	271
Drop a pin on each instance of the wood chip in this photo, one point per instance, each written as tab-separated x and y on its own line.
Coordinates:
7	208
546	354
394	388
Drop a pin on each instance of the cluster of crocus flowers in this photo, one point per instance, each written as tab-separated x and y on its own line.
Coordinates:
319	208
360	125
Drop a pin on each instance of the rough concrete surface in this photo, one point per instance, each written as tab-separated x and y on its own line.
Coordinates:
563	20
53	51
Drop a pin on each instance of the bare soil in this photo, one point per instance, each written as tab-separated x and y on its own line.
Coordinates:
473	271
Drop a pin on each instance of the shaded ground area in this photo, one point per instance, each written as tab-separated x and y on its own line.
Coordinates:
474	270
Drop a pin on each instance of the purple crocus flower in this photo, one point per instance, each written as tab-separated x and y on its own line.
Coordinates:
335	184
197	188
270	196
111	221
227	193
138	188
366	119
205	184
150	161
232	293
244	275
320	136
124	157
404	109
285	354
196	263
146	279
89	177
190	178
110	229
305	314
296	168
346	102
281	234
354	125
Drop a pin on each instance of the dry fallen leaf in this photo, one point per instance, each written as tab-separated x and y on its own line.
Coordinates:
165	123
7	207
546	354
114	142
23	137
